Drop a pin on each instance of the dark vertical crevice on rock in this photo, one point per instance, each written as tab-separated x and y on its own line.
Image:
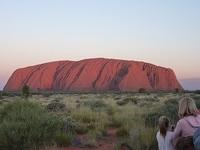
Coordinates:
99	75
77	76
114	84
152	75
57	81
41	76
30	75
62	80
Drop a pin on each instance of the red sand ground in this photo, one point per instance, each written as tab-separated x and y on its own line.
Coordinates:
107	143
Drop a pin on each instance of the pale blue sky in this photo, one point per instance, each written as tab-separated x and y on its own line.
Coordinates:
163	32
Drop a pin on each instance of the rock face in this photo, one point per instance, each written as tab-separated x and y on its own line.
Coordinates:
94	75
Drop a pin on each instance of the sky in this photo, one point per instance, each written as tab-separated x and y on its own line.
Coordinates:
165	33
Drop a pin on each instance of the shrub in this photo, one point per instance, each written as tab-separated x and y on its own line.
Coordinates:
25	125
4	93
122	102
57	99
89	140
56	107
117	98
142	90
101	132
63	139
70	125
111	110
122	132
1	95
116	122
46	94
139	139
81	129
90	120
84	115
25	91
95	104
143	138
151	119
196	97
152	99
197	92
133	100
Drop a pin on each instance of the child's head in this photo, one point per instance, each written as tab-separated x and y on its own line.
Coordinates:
163	124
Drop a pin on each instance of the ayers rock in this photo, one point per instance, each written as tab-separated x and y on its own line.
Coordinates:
94	75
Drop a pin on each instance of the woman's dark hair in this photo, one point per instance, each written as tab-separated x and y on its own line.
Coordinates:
163	125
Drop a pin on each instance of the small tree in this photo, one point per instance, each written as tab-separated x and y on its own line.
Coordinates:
1	94
26	91
197	92
177	90
142	90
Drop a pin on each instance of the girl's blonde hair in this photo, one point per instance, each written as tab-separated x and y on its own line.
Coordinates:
187	107
163	124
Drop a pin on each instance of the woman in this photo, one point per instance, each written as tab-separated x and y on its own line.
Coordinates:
187	125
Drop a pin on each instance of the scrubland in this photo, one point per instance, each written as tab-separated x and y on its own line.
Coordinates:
85	121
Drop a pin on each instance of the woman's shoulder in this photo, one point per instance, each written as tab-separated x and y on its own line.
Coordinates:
191	119
181	121
184	119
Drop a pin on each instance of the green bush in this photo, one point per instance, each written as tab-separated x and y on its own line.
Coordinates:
197	92
84	115
70	125
63	139
26	91
143	138
122	102
116	122
117	98
81	129
142	90
56	107
1	95
47	94
89	140
111	110
95	104
26	125
122	132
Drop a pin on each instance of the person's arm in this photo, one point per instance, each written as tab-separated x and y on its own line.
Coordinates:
177	132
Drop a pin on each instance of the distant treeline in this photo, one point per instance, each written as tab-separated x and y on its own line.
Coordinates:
49	93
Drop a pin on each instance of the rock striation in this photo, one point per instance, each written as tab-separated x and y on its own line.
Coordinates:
94	75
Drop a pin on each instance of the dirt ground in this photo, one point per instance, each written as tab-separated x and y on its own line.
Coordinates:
107	143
